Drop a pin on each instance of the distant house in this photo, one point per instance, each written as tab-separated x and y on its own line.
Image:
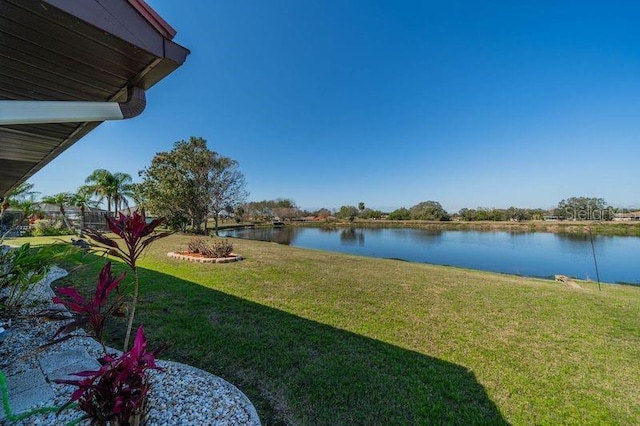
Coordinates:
626	216
551	218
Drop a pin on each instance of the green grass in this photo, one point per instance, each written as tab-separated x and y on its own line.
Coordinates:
321	338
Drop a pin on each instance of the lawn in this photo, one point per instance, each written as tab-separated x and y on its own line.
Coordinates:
321	338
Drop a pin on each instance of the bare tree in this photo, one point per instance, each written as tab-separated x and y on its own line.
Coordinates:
227	187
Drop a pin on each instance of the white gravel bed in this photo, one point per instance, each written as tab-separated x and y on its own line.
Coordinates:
180	394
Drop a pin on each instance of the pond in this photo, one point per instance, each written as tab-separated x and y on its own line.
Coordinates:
536	254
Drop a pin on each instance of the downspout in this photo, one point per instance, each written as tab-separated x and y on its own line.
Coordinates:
35	112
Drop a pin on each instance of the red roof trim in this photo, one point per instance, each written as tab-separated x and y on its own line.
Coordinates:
153	18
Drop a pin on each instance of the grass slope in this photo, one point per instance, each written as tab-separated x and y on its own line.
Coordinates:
320	338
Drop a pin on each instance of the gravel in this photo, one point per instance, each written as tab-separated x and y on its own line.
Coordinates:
180	394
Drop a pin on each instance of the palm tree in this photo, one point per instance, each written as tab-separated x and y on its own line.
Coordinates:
28	206
121	190
115	187
22	192
98	184
82	199
61	199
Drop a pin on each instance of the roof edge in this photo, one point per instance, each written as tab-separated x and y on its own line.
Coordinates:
153	18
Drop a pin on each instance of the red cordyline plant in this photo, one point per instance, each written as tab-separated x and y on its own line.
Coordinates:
91	313
137	235
117	391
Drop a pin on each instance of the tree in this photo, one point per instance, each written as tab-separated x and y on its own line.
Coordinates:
400	214
121	190
115	187
361	206
227	187
22	192
428	210
83	199
189	182
60	200
584	208
368	213
26	203
347	212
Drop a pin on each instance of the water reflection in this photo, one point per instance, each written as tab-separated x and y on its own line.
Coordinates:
352	236
286	235
522	253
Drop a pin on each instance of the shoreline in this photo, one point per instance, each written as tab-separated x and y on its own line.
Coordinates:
620	229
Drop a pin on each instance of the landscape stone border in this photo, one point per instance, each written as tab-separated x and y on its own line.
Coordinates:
181	394
233	258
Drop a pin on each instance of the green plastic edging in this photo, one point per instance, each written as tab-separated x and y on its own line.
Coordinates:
14	418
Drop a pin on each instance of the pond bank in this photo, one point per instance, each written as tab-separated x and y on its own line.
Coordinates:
621	229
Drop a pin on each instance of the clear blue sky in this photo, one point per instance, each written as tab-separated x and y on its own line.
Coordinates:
332	102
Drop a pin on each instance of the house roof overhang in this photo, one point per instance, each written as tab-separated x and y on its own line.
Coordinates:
69	50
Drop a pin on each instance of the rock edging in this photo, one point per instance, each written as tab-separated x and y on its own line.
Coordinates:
233	258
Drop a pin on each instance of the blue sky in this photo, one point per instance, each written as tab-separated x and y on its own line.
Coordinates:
333	102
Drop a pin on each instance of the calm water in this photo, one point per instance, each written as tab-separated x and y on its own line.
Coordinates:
533	254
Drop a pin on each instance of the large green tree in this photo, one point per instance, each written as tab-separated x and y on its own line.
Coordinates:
429	210
189	182
584	208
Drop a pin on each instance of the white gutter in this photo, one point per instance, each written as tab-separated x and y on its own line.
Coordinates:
33	112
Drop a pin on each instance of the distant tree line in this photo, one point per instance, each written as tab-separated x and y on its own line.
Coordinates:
574	208
266	210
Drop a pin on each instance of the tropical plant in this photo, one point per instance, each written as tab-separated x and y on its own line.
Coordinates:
22	268
137	235
117	392
94	312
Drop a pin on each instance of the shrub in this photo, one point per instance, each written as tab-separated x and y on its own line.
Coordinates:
22	268
210	247
49	227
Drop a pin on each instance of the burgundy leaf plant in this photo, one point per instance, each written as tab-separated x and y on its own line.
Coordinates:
137	234
117	391
91	313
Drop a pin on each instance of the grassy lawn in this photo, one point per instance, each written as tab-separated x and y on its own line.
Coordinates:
320	338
